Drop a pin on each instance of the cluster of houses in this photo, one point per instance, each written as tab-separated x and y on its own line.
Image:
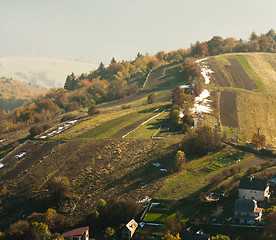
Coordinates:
251	192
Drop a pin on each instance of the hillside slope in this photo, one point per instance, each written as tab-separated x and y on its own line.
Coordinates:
13	93
244	98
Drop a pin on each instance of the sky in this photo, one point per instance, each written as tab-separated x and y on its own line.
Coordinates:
97	30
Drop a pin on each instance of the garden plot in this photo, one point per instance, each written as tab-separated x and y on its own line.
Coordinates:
228	109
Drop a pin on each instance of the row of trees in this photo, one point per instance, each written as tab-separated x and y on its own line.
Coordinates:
218	45
37	226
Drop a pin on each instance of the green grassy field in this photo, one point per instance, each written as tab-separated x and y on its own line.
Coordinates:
183	184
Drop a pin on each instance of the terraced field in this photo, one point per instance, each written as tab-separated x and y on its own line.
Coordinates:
246	85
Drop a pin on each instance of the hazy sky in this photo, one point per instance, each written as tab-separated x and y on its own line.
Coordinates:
100	29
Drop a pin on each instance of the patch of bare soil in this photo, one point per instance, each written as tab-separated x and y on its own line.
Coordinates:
228	109
218	77
240	77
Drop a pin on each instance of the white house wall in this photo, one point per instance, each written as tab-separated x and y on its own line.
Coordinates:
252	194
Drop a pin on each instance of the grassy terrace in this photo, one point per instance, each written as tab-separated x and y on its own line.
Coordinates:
183	184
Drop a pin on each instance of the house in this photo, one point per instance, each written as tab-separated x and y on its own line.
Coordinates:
247	211
254	188
76	234
129	229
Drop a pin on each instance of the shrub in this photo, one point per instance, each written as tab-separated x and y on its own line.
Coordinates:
125	107
201	142
93	110
46	126
36	130
179	161
151	98
68	117
59	188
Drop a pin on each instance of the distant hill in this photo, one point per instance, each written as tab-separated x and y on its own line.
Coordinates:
244	99
13	94
43	72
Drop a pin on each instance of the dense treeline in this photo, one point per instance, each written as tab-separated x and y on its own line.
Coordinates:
124	78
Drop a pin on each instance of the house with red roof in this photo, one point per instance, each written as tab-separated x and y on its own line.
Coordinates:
76	234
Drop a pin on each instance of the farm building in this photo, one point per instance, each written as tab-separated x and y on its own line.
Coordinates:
254	188
76	234
247	211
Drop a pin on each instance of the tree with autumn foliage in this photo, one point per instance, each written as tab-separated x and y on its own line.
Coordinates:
258	140
169	236
179	161
199	49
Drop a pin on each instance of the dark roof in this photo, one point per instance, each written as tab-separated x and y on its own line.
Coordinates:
75	232
253	183
245	205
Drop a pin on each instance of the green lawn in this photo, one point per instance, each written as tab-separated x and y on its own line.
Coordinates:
183	184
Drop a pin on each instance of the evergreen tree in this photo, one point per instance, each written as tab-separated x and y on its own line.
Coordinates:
113	60
253	36
71	83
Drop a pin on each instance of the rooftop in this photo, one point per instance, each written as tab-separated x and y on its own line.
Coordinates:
253	183
75	232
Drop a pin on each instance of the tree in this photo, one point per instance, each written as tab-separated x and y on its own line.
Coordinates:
101	206
258	139
36	130
93	110
270	224
40	231
169	236
215	45
18	230
101	67
253	36
200	142
109	232
174	117
190	69
71	83
271	34
59	188
179	161
151	98
113	60
220	237
264	43
199	49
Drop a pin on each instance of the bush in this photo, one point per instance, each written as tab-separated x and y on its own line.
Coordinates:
179	161
68	117
46	126
125	107
36	130
93	110
199	143
151	98
59	188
